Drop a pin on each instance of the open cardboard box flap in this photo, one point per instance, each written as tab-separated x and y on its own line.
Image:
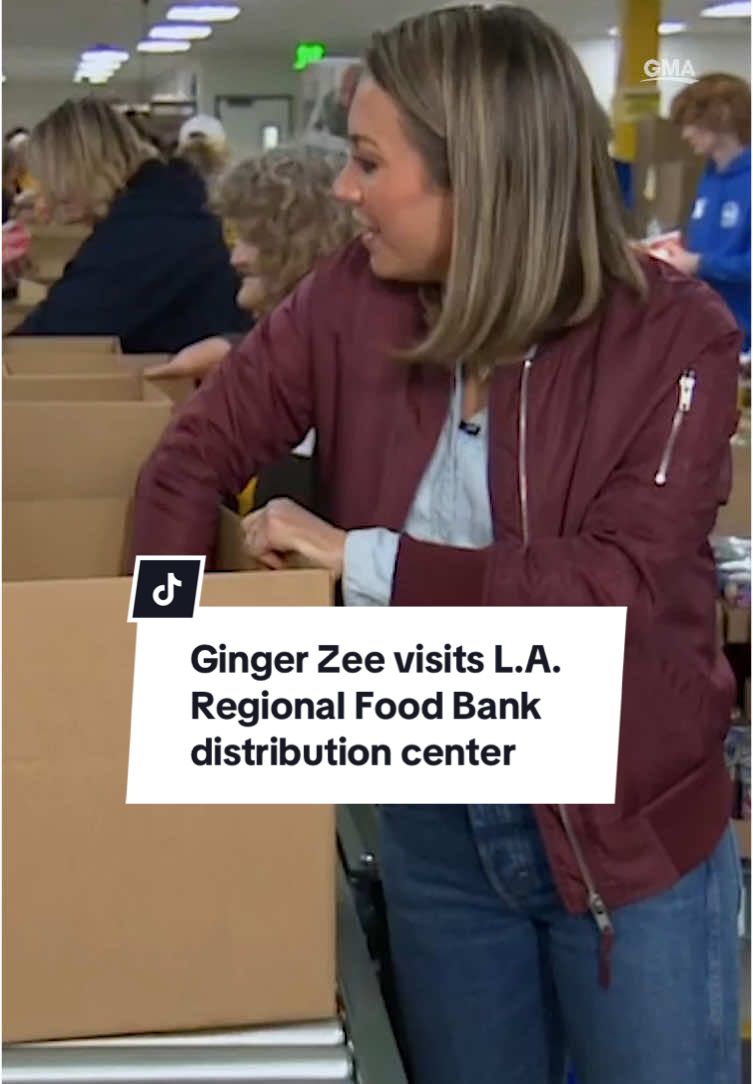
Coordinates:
48	357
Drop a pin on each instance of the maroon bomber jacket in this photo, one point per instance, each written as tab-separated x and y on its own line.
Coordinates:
608	500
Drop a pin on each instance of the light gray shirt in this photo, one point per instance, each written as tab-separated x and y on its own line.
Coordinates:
451	507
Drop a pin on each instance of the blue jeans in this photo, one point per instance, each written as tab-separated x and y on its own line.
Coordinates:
498	984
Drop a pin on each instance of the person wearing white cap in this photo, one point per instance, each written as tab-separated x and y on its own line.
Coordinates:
202	142
203	126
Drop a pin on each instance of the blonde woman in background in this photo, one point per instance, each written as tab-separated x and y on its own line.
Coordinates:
512	408
154	270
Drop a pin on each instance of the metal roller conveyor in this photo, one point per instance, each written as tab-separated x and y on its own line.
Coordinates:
359	1049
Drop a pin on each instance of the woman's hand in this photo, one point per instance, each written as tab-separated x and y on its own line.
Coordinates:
282	528
679	257
197	360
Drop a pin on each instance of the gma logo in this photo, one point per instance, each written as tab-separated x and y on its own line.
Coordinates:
669	71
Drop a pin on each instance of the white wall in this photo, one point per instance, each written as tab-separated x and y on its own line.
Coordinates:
26	103
706	53
244	73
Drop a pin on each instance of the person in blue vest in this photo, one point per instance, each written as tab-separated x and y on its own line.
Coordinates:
714	115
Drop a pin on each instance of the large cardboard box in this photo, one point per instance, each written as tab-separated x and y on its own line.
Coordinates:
79	448
124	919
665	175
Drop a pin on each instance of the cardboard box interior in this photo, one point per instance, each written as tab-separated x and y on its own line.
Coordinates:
49	359
74	387
56	345
92	538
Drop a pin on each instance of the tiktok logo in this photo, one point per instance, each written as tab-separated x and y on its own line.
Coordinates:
165	594
165	587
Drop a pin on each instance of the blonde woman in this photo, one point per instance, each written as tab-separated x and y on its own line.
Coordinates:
512	408
155	270
279	207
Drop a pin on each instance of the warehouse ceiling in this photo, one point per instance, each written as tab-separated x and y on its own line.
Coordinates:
42	39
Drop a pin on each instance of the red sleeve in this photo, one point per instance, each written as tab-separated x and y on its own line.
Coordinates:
255	408
633	530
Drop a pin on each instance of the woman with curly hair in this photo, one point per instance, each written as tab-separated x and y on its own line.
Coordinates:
280	208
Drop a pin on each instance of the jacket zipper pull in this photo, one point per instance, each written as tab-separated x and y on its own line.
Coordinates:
598	909
686	386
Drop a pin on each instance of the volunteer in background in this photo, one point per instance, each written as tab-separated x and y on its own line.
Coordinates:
203	144
280	208
506	416
155	271
714	114
279	205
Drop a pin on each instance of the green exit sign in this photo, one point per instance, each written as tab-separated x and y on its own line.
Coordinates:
306	52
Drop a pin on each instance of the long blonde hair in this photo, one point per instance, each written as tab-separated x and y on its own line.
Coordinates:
505	118
84	153
281	201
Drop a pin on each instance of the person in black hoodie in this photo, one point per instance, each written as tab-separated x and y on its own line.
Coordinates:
155	271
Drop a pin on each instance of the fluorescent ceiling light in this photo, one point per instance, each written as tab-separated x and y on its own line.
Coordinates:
104	65
105	52
176	32
664	29
728	11
92	77
163	46
203	13
95	73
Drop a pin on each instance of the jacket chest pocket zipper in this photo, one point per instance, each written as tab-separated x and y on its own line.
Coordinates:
686	388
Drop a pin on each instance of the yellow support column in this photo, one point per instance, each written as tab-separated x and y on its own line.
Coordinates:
637	93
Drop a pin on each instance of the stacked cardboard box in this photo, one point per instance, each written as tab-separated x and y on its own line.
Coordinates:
126	919
665	175
71	355
52	246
